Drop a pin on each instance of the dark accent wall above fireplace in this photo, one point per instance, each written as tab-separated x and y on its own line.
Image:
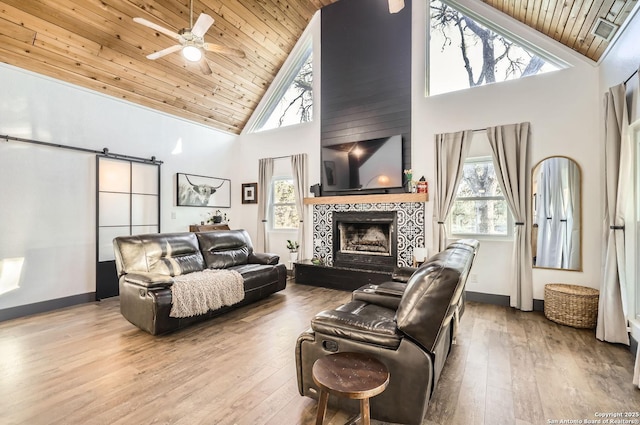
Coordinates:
366	73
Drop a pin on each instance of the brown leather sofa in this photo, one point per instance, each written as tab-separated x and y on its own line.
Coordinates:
408	326
146	265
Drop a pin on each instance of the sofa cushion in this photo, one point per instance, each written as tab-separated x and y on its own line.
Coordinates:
359	321
225	248
256	275
170	254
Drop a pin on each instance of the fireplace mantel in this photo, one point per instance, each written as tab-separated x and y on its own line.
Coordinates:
368	199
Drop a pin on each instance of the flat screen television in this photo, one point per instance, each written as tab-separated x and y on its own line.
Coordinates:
371	165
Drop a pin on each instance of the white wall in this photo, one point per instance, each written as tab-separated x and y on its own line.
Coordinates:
47	195
562	108
303	138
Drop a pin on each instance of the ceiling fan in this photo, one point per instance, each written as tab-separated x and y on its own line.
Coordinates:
191	41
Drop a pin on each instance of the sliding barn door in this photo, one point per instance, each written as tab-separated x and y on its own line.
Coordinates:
127	203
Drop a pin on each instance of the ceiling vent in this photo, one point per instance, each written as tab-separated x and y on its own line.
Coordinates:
604	29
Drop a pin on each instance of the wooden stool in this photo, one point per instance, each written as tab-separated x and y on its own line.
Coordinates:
351	375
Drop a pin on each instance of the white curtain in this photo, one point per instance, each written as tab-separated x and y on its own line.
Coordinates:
300	184
451	151
571	202
265	173
511	159
612	322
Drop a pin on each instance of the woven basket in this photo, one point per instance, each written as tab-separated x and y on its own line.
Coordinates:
571	305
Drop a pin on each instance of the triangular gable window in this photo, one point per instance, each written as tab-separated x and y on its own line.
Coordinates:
464	52
292	102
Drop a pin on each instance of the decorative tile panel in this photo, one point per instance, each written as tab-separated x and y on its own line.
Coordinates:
410	232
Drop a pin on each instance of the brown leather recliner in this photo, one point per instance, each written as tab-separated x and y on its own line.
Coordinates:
411	334
389	294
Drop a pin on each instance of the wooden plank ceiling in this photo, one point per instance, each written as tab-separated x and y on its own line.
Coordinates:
96	44
568	21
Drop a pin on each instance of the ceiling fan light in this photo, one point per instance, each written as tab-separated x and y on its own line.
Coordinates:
192	53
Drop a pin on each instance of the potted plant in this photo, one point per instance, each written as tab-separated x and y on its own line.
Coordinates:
217	217
293	246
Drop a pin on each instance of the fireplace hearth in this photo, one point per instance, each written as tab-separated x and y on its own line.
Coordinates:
365	240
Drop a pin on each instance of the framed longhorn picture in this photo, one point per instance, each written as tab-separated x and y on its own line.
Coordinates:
203	191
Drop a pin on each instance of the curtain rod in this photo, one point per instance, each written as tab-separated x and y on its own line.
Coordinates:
104	151
279	157
630	76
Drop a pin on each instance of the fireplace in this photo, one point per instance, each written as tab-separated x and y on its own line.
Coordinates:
365	240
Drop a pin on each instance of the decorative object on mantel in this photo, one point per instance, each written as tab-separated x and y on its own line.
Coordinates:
409	176
422	185
249	193
203	191
316	189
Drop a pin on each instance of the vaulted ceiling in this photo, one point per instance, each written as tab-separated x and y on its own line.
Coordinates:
95	44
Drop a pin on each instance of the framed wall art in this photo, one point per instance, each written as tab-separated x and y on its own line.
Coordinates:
250	193
202	191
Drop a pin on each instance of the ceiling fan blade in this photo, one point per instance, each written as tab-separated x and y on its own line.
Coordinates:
202	25
163	52
396	6
217	48
157	27
204	67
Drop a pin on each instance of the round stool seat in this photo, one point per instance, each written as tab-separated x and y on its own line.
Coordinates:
351	375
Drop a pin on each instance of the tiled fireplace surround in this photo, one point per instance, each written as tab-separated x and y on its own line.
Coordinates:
410	222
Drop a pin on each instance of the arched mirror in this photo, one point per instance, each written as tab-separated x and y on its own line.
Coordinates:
556	232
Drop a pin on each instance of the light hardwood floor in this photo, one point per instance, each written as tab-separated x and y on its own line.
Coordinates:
88	365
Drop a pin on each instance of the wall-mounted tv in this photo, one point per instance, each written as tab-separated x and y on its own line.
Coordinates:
369	165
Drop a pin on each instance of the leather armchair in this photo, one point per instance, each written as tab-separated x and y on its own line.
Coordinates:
388	294
412	338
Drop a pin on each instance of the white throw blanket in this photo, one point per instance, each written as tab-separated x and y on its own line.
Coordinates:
198	292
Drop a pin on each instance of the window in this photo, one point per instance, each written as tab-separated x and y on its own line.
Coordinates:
284	214
480	207
292	101
465	52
